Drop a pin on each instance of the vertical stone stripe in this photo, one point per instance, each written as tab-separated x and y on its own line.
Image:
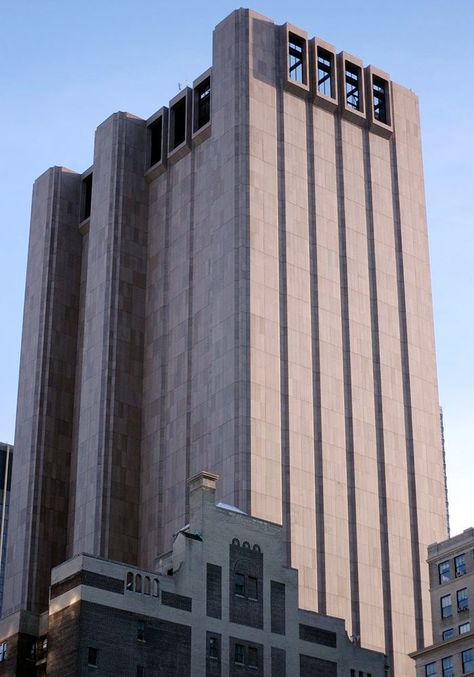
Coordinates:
164	369
378	406
284	413
346	352
189	339
405	365
242	397
317	418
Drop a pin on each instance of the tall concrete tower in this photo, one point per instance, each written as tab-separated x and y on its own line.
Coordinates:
240	284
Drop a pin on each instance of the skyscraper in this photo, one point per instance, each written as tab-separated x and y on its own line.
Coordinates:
6	453
240	284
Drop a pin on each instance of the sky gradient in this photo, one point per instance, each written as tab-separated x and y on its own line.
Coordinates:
65	67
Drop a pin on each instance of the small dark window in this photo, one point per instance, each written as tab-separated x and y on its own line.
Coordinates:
252	588
379	93
156	587
147	585
325	72
141	631
252	657
467	660
239	584
129	584
202	104
460	565
430	670
361	674
92	656
140	671
239	654
446	607
448	634
213	648
353	80
443	572
462	599
353	673
296	57
447	665
138	583
464	628
86	199
156	140
178	123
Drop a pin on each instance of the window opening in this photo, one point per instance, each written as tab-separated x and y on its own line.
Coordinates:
3	652
138	583
239	584
467	660
448	634
239	654
460	565
141	631
129	583
462	599
92	656
353	86
295	58
252	657
156	140
140	671
156	587
325	68
446	607
147	585
202	101
379	93
178	125
464	627
447	665
86	197
213	649
443	572
430	670
252	588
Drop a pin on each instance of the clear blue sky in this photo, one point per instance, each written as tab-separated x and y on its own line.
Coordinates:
65	66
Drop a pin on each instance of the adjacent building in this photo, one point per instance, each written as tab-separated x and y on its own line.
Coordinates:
451	567
240	284
6	453
222	602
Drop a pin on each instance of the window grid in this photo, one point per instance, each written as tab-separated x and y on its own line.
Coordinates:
462	599
296	54
325	72
448	634
446	607
464	628
443	572
467	660
352	80
430	670
460	565
447	666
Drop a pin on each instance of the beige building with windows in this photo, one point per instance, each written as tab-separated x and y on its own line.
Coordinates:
451	566
241	284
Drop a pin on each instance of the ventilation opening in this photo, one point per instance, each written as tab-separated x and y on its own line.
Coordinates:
296	56
156	141
353	78
178	123
325	72
379	93
86	197
202	104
